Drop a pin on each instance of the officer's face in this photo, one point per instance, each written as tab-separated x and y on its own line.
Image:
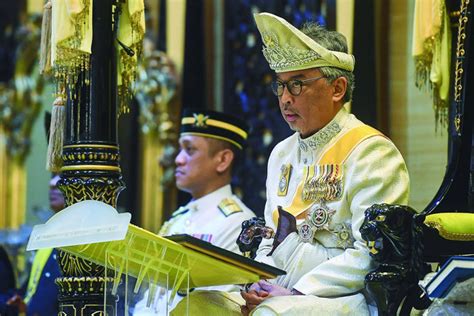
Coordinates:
195	167
56	198
313	108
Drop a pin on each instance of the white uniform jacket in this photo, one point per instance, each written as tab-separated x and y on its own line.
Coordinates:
336	260
216	218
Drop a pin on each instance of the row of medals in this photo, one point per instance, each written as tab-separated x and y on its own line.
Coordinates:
326	185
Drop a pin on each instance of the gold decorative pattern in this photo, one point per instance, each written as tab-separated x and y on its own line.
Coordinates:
91	156
459	70
203	121
88	295
229	206
446	234
281	57
200	120
91	146
72	265
87	188
460	51
82	284
91	167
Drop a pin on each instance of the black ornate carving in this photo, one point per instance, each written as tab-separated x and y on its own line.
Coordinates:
82	187
72	266
254	230
387	229
251	236
84	296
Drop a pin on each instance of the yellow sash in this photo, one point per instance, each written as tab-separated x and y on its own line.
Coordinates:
335	155
39	262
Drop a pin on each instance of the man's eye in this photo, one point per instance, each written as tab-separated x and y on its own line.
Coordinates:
294	84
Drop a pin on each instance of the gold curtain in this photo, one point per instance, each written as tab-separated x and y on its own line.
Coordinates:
12	188
152	190
153	193
431	50
20	103
345	25
160	121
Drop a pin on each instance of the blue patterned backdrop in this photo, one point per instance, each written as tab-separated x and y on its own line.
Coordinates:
246	89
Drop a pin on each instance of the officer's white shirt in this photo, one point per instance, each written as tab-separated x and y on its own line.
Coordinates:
203	219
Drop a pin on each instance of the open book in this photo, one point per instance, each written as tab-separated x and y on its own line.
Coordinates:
264	270
456	269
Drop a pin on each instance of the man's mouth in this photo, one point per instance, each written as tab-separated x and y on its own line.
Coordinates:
290	117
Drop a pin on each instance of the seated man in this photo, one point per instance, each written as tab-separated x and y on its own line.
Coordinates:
210	143
325	175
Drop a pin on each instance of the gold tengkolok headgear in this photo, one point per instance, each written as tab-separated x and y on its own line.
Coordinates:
288	49
213	124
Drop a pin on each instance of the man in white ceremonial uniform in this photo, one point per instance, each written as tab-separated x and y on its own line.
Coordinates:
210	143
325	175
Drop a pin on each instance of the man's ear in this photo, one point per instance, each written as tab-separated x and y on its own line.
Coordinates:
340	87
225	158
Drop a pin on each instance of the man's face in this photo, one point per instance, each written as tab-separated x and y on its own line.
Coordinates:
195	168
56	198
313	108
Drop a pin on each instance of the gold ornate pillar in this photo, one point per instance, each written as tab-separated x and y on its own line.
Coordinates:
90	156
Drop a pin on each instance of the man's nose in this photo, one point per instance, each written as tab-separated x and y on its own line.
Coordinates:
286	98
179	160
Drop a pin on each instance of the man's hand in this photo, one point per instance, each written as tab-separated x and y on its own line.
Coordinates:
17	301
259	292
254	296
272	289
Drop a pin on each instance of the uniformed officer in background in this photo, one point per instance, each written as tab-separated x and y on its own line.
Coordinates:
41	297
210	145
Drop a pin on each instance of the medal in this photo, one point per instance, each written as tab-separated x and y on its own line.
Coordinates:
319	216
317	219
305	231
322	182
284	181
344	236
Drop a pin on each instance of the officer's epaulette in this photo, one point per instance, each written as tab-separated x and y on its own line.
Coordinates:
228	207
179	211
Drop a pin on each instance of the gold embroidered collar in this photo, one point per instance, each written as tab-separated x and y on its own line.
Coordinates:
325	134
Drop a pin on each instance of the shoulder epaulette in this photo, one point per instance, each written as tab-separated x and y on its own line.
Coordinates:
229	206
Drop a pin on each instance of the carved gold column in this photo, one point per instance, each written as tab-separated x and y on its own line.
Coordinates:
91	160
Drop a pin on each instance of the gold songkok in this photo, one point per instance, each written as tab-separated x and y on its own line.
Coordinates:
288	49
